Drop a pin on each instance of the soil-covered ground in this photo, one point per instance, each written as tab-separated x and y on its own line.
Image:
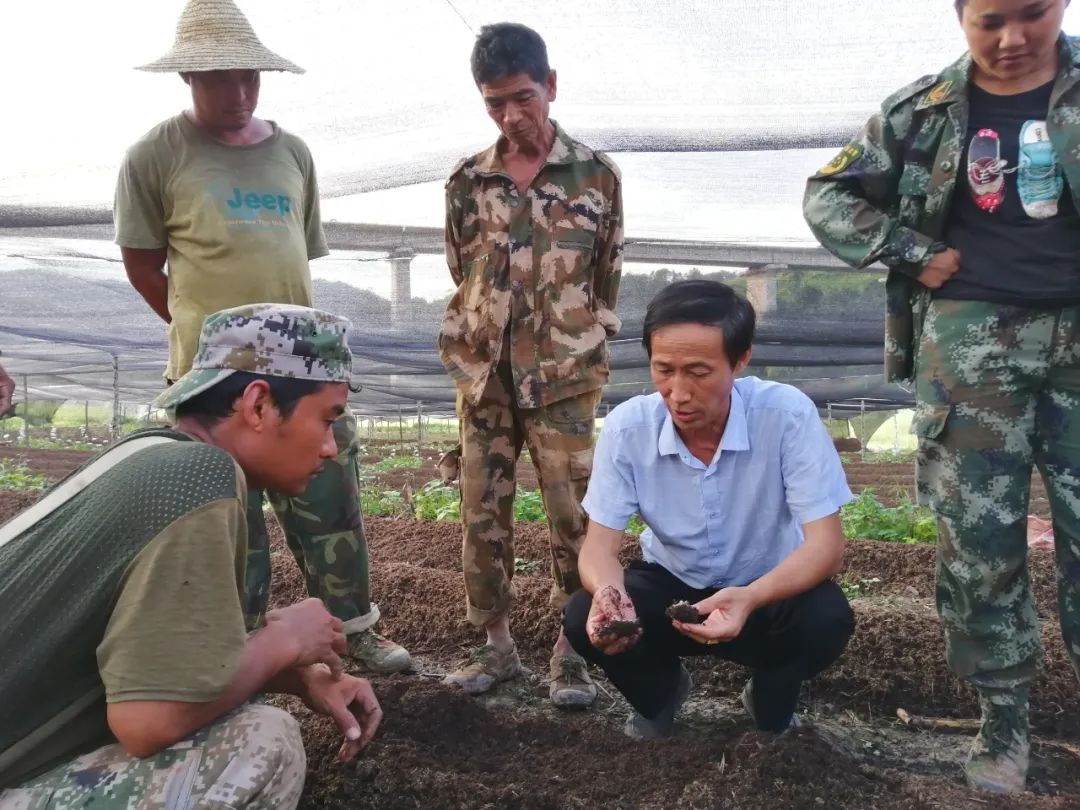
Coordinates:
439	748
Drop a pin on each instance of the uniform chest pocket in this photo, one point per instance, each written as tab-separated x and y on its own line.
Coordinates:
479	281
569	262
914	181
582	241
912	188
484	301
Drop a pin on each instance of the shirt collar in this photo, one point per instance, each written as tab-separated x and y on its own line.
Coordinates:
952	84
736	436
564	149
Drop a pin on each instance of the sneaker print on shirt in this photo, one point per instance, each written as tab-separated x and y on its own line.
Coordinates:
1039	179
986	170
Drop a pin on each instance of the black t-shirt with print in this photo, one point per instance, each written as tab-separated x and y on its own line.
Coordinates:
1008	257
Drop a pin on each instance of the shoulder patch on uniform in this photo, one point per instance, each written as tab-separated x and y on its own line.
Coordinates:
910	91
457	168
939	94
607	161
848	155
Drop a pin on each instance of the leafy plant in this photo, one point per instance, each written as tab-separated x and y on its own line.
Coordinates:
868	519
16	475
853	589
381	503
394	463
529	506
636	526
523	566
437	501
889	457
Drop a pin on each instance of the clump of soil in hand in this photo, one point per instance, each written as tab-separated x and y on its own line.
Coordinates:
619	628
684	612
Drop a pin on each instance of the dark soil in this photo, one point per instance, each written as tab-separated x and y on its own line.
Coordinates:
685	612
12	502
440	748
53	463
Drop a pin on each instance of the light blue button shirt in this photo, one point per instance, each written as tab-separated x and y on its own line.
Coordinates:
737	518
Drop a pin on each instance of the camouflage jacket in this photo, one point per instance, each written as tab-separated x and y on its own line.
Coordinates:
542	264
886	196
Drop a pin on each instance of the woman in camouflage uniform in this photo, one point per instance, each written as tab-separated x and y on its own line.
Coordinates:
965	186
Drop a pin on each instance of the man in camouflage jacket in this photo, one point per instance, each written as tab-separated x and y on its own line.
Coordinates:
534	243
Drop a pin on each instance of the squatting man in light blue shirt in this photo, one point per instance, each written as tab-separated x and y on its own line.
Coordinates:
741	488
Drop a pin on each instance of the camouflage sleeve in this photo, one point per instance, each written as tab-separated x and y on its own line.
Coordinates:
851	204
609	258
452	232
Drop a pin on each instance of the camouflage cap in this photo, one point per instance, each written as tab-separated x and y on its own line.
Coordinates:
279	340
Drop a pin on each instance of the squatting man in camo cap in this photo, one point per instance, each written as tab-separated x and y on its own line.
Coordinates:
137	684
229	204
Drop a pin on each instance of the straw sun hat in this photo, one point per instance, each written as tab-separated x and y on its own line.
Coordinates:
215	35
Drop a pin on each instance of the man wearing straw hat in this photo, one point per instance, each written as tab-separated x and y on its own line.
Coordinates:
229	202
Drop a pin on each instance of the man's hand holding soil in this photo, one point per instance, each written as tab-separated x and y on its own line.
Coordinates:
613	622
725	614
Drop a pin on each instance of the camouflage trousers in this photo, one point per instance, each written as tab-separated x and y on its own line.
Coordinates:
324	529
560	441
252	757
998	390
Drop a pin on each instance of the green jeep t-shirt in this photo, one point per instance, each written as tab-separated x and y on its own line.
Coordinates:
240	222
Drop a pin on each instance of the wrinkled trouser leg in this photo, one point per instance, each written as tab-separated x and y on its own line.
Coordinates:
997	391
783	644
252	757
324	529
493	431
560	441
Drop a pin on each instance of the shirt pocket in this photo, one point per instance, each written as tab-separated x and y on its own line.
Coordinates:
912	188
929	420
569	300
479	285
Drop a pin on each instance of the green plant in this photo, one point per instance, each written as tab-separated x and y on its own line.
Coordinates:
381	503
522	566
529	506
853	589
868	519
636	526
16	475
437	501
393	463
888	457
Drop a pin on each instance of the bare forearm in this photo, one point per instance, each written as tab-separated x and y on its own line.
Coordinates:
598	561
146	272
146	727
155	291
817	559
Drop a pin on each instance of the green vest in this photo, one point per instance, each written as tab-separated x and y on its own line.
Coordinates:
60	578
